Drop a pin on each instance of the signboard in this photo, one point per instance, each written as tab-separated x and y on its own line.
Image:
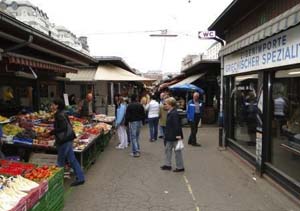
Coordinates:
206	34
280	50
66	99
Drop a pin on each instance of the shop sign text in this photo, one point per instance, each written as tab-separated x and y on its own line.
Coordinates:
282	49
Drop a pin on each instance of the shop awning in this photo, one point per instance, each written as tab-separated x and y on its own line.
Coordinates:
114	73
282	22
38	63
167	84
105	73
86	75
188	80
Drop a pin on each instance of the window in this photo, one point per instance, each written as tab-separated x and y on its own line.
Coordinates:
285	151
244	97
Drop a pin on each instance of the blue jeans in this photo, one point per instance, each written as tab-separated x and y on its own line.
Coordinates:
134	131
153	127
65	151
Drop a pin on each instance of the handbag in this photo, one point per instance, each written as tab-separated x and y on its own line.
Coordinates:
179	145
67	135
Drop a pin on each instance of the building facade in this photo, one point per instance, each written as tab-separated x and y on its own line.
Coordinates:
262	77
31	15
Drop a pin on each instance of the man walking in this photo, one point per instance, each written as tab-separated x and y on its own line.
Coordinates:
194	115
134	118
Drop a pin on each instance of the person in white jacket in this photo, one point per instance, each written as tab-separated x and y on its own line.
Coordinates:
120	124
153	118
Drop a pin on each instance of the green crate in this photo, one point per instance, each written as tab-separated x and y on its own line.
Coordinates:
56	207
57	178
41	205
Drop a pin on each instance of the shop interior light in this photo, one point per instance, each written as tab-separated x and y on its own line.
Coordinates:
294	73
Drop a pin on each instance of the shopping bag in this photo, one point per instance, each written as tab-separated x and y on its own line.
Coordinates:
179	145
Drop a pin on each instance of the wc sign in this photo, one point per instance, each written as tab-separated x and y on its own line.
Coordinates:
206	34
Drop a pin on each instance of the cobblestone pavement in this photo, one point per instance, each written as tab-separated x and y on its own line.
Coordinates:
213	181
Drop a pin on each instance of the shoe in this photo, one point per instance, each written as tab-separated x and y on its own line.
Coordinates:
164	167
137	154
196	145
76	183
118	147
178	170
160	137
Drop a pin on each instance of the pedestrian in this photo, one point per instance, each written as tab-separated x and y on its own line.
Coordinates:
153	117
64	136
120	124
162	115
194	115
2	156
173	133
134	118
87	107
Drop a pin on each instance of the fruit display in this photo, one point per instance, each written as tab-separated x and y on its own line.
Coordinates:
41	173
78	127
26	134
83	121
11	130
14	168
104	118
3	119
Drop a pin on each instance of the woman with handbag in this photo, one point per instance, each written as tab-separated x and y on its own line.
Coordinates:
173	137
64	136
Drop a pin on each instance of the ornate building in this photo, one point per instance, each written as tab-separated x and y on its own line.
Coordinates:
28	13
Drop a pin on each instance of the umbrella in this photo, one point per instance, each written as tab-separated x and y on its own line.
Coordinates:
186	87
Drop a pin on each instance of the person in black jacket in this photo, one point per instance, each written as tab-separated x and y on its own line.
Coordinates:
173	133
63	142
134	118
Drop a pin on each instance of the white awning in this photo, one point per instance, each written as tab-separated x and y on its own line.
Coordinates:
105	73
280	23
189	79
86	75
114	73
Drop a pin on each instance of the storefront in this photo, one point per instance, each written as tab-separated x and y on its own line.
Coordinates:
262	98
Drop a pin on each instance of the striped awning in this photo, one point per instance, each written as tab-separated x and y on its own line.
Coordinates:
38	63
280	23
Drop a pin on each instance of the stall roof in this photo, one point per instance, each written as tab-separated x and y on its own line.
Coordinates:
189	79
17	59
203	66
114	73
114	60
105	73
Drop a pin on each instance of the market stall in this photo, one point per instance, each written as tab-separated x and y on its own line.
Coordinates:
30	133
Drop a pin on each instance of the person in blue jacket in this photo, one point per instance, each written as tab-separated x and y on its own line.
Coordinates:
120	124
194	115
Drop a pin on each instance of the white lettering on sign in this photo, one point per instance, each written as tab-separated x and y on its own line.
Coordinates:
282	49
206	34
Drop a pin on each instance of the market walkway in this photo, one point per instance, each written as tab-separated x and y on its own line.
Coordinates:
214	180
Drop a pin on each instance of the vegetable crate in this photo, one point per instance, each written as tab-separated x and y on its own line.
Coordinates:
57	178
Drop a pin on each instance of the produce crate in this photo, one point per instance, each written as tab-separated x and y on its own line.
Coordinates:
21	206
43	159
41	205
56	179
55	198
32	198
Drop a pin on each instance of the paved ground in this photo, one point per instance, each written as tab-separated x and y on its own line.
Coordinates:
214	181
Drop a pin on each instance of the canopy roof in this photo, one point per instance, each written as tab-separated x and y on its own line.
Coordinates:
106	73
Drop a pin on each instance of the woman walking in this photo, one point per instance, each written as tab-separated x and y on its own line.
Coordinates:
64	136
173	133
120	124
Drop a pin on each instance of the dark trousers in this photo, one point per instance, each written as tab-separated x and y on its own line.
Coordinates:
194	129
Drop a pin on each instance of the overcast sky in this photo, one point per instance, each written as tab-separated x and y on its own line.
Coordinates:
117	27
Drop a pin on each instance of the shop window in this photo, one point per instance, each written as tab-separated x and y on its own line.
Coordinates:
245	95
285	151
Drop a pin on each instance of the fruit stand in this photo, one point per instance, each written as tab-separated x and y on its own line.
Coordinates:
26	186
